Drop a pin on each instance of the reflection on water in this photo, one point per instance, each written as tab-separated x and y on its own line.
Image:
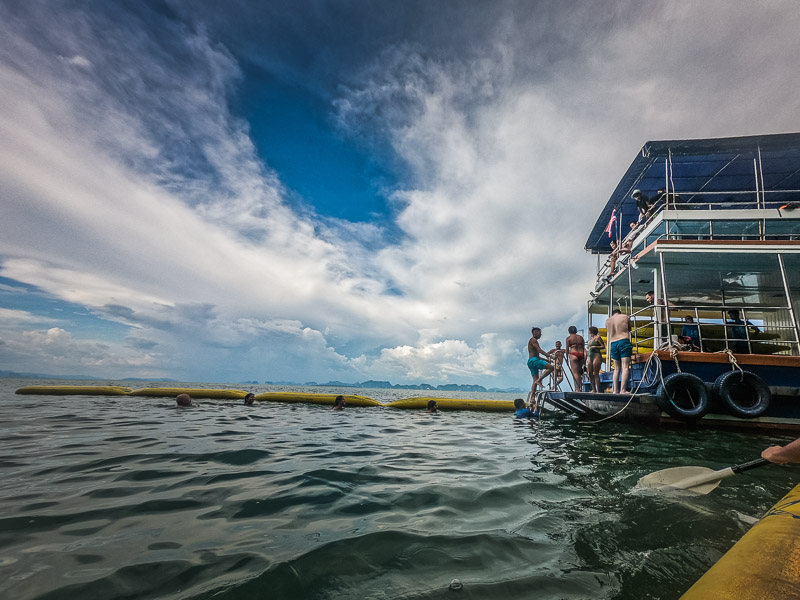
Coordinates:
135	498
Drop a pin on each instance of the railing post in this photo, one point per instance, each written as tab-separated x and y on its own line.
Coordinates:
790	304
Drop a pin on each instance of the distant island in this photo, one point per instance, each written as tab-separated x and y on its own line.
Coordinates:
387	385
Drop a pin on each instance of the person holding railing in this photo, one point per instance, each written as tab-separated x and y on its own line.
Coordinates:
643	204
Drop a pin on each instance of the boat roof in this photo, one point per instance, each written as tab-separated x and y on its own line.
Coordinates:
715	169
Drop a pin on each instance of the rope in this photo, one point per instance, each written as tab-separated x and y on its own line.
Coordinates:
732	359
634	392
673	352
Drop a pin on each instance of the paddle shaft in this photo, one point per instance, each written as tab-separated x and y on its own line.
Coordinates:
704	478
759	462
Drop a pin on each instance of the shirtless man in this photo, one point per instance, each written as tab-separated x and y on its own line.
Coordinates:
618	329
558	362
576	349
535	362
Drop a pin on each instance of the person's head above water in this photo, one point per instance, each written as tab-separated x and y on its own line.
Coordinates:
183	400
249	399
339	403
519	403
432	406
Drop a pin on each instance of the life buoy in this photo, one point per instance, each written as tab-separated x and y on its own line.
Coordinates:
744	393
683	396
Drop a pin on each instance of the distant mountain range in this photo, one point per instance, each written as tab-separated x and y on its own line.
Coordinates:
449	387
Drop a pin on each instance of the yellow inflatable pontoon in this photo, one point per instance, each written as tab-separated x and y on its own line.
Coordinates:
193	392
316	398
77	390
763	565
454	404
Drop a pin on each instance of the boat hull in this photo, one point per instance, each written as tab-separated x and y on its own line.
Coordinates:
780	373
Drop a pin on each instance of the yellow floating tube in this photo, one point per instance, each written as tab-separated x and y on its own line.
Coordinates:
316	398
193	392
77	390
763	565
454	404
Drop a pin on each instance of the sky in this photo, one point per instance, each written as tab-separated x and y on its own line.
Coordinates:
317	190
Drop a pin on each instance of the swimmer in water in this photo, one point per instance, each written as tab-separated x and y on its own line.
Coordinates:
183	400
523	412
339	403
433	408
249	399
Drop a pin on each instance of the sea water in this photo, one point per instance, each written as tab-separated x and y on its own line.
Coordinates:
126	497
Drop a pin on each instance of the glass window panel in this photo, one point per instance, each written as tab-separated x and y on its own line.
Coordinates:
740	230
782	229
730	279
689	230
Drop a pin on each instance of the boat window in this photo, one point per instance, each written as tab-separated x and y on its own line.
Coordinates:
782	229
729	279
689	230
748	283
739	230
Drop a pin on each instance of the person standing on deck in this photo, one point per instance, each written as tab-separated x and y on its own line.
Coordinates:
535	362
558	363
576	350
594	360
620	349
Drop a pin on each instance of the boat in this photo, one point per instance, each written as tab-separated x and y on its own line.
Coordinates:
716	239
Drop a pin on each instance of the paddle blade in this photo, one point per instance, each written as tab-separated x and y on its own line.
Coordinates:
698	480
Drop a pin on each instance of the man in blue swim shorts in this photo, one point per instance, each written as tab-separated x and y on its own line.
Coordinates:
535	362
620	349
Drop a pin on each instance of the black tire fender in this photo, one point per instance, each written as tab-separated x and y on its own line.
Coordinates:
683	396
743	393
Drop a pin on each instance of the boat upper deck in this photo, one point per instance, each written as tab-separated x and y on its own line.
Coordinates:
723	174
719	249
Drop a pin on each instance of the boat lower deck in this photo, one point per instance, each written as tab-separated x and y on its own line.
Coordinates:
643	409
626	408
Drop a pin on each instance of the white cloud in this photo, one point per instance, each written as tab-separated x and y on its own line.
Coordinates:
131	188
9	316
56	351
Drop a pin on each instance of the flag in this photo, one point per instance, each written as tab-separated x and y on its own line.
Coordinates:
611	221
